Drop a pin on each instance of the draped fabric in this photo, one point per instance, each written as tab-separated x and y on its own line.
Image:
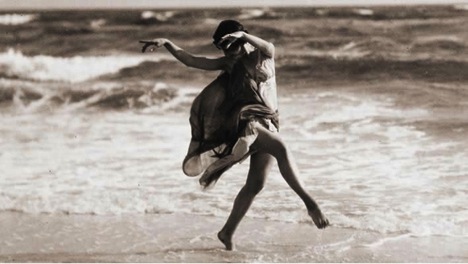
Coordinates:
220	117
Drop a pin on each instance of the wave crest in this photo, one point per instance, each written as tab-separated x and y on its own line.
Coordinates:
448	43
16	19
31	97
150	17
14	64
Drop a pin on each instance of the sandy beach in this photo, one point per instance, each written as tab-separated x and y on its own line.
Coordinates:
190	238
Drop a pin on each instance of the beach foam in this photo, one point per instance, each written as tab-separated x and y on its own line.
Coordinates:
356	191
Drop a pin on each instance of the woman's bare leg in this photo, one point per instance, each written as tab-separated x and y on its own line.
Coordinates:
273	144
260	165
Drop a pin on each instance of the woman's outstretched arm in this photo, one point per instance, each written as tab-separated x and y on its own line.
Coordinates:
186	58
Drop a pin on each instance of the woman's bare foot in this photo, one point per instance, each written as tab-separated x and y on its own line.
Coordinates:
225	240
319	218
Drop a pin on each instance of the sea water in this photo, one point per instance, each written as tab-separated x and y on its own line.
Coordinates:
92	130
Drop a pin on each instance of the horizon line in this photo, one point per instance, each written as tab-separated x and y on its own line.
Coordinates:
228	6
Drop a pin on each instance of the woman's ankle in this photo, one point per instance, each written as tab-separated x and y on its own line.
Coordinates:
226	240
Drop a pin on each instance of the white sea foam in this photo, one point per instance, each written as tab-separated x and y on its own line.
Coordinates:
251	13
385	177
73	69
350	50
159	16
364	12
98	23
16	19
351	152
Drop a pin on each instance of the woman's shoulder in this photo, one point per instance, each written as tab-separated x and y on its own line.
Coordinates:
265	66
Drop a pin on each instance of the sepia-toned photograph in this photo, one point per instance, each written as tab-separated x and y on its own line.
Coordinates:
244	131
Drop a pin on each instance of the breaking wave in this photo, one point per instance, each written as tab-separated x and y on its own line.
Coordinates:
32	97
14	64
16	19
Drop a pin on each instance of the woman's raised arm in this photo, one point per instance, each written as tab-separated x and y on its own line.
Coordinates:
264	46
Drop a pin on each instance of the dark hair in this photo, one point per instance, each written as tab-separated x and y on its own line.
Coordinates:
227	27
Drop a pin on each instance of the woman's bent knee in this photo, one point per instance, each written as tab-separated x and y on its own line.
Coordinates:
271	143
278	149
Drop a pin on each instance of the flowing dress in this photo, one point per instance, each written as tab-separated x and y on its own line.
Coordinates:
224	116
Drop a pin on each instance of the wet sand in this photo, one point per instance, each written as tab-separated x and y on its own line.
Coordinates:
192	238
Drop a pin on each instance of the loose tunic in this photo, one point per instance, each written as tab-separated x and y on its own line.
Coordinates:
225	114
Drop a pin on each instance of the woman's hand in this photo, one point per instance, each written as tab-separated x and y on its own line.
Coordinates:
158	43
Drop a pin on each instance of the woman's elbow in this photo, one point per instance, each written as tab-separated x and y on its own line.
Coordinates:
270	50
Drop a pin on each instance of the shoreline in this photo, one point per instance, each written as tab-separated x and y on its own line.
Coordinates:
192	238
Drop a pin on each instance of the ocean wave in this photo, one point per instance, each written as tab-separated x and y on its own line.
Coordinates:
98	23
364	12
463	7
30	97
151	17
371	47
376	44
448	43
16	19
118	201
124	152
353	63
256	13
14	64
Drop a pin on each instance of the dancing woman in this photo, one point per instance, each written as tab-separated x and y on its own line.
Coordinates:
236	116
